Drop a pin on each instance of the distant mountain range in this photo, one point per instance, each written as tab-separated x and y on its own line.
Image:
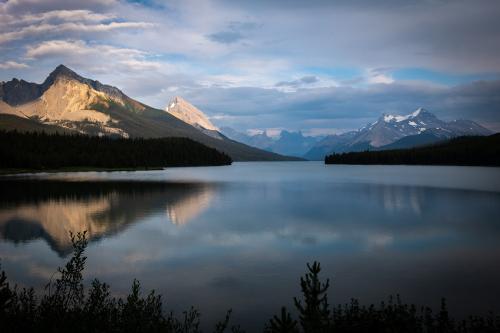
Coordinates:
392	132
389	132
68	102
287	143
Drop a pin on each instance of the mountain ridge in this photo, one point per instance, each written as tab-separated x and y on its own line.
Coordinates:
67	100
390	131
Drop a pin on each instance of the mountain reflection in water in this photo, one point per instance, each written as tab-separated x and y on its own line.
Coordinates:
51	209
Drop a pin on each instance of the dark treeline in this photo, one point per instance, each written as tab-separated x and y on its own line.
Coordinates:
470	151
66	307
41	151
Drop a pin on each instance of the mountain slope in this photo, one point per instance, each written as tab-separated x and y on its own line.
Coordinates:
422	126
67	100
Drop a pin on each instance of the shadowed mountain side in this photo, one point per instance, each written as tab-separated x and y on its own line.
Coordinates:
52	209
9	121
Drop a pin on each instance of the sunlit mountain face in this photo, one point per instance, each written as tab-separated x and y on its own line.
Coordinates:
53	210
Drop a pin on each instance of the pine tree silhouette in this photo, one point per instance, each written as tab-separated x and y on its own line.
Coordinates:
314	314
283	324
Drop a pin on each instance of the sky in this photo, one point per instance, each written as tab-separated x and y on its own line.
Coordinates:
321	67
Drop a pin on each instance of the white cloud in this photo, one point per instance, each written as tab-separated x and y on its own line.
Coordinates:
79	15
34	6
12	65
71	27
379	76
88	55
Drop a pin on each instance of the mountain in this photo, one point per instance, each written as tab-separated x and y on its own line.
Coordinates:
395	131
259	140
70	102
287	143
188	113
293	143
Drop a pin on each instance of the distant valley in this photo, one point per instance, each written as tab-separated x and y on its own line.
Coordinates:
287	143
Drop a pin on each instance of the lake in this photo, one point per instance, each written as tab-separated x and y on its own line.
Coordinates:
240	236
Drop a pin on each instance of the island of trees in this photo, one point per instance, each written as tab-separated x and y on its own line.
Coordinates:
467	151
42	151
67	307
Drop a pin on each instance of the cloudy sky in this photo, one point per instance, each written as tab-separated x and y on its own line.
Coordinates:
316	66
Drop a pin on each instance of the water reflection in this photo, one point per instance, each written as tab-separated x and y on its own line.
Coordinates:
243	244
52	209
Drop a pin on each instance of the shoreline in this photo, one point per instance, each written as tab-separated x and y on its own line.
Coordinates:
11	172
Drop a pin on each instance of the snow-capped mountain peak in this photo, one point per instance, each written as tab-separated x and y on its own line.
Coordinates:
420	125
397	118
185	111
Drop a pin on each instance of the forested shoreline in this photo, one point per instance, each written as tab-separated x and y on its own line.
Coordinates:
466	151
41	151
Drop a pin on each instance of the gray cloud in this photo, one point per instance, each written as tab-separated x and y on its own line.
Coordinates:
344	108
234	32
297	83
226	37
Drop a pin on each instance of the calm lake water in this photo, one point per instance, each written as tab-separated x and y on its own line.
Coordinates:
239	236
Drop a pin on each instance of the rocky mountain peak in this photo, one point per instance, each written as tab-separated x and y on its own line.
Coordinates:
419	113
185	111
61	71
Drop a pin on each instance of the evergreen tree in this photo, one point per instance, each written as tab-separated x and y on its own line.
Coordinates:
314	314
282	324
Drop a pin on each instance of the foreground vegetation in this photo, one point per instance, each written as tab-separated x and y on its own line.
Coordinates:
42	151
65	307
470	151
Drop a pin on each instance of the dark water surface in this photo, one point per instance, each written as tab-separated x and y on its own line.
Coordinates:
239	236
